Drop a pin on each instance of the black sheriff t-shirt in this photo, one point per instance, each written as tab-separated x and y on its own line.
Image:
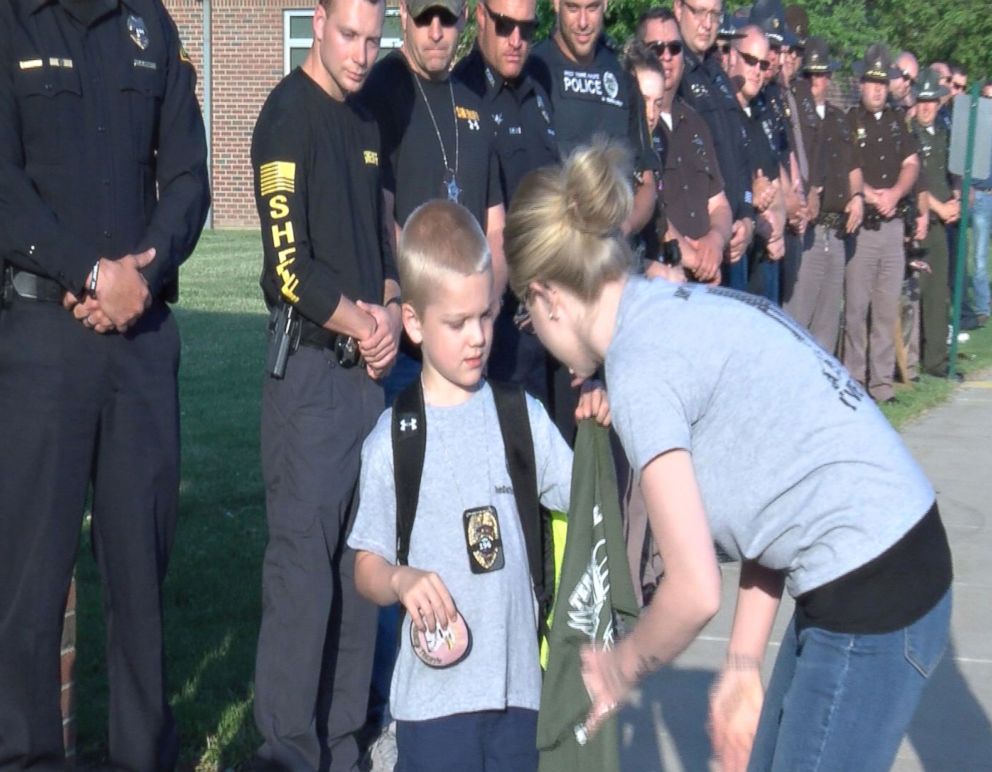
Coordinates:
317	188
413	136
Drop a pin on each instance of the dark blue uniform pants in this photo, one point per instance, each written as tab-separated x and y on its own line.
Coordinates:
315	647
78	408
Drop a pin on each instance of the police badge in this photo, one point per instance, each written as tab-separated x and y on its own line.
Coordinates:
137	30
483	540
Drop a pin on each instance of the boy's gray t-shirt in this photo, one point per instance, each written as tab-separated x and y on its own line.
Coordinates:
465	467
798	468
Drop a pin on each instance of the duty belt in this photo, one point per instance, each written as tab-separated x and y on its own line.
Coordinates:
31	286
344	347
835	221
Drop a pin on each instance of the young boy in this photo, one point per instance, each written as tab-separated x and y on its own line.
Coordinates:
480	713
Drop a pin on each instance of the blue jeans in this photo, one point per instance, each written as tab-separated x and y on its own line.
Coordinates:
482	741
839	702
981	213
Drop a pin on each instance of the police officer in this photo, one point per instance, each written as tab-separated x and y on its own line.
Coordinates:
592	94
329	279
747	69
944	208
497	71
890	165
103	193
706	88
777	99
436	135
692	186
836	200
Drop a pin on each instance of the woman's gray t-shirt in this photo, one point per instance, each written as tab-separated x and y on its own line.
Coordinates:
465	467
798	468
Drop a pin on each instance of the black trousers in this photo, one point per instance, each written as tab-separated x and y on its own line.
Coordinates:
80	409
313	666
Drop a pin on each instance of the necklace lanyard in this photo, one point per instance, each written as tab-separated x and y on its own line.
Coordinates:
451	175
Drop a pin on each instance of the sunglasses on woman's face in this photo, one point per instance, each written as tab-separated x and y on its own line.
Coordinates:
505	25
957	86
446	17
658	47
754	61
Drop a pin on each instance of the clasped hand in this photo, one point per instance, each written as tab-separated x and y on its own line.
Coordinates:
120	298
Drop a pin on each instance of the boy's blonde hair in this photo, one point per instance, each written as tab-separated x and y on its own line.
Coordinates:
440	237
564	223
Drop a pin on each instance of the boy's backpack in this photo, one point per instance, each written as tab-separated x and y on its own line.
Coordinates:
409	436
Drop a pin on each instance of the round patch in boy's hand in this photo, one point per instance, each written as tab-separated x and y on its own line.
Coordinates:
443	647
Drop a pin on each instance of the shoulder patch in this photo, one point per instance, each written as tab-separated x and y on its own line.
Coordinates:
184	55
277	177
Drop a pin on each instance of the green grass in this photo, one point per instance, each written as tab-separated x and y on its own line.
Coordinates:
212	593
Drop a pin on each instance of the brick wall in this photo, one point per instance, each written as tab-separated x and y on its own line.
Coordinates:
247	43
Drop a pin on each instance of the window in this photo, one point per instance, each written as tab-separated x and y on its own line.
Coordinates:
298	35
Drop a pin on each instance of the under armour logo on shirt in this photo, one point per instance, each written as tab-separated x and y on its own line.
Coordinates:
408	424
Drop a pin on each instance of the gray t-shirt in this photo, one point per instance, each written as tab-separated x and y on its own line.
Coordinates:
465	467
798	468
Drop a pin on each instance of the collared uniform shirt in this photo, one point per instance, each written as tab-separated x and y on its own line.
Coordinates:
691	175
522	119
763	138
777	116
318	190
600	98
882	144
833	158
934	145
707	90
102	147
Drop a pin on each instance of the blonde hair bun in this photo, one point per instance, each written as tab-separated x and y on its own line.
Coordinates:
596	187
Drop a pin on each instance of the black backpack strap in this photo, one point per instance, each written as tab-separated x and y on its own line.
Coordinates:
409	435
518	445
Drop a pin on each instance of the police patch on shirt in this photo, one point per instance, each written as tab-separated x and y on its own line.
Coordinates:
592	86
137	30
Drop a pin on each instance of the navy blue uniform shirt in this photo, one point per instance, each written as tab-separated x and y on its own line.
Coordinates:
102	147
521	117
708	91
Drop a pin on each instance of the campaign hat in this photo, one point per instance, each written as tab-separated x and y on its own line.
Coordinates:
928	88
877	65
797	21
816	57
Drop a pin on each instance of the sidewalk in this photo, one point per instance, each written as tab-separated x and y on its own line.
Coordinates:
952	731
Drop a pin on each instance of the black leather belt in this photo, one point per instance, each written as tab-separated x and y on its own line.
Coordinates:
31	286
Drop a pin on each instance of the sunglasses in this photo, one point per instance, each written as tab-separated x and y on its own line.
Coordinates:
426	19
658	47
958	86
505	25
906	76
754	61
